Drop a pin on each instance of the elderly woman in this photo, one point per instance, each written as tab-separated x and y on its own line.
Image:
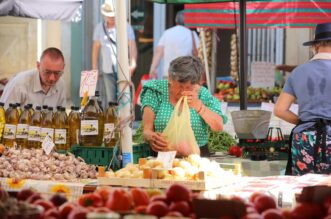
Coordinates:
159	97
309	85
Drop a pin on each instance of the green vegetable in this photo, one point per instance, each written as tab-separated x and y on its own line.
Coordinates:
220	141
138	137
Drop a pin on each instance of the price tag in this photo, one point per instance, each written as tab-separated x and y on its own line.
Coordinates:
47	144
167	158
262	74
267	106
88	82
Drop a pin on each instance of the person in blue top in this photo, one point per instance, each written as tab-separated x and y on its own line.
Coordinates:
309	85
105	49
158	98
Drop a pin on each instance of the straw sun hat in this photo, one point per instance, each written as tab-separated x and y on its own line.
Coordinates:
107	9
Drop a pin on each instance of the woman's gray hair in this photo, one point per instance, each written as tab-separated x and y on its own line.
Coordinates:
186	69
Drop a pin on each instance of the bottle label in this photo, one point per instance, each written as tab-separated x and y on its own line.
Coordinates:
109	131
10	131
60	136
22	131
89	127
46	131
34	133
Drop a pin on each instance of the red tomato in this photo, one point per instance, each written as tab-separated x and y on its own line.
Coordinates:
177	192
264	202
254	195
52	213
44	203
181	206
90	199
66	208
272	214
307	211
78	213
141	209
235	151
104	193
157	208
140	196
119	200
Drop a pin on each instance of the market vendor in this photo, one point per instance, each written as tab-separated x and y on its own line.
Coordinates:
41	86
159	97
309	85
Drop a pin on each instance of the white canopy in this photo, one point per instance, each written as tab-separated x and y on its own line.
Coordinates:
64	10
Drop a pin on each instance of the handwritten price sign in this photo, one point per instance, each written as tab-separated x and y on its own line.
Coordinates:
88	82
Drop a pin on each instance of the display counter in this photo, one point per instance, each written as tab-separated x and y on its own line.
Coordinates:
247	167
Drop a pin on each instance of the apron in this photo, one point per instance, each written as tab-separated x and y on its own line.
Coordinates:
320	151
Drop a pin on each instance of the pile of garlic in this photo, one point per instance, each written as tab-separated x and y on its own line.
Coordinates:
35	164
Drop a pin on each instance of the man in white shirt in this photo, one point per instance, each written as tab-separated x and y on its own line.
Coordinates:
41	86
174	42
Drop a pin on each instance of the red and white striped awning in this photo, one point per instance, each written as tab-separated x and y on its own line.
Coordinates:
273	13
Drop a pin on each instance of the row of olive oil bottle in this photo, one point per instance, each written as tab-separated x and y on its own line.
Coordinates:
27	128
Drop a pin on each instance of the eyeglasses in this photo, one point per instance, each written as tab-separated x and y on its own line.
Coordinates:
55	73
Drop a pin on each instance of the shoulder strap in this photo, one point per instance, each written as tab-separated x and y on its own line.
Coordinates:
193	41
109	38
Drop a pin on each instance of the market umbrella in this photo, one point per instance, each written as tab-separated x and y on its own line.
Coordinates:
260	14
43	9
265	14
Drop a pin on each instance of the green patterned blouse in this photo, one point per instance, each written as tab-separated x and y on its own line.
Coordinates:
155	94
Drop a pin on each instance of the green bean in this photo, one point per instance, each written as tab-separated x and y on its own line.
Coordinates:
220	141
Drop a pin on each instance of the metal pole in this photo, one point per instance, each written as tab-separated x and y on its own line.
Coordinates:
243	56
205	59
123	75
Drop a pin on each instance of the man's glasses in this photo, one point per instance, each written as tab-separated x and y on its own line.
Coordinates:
55	73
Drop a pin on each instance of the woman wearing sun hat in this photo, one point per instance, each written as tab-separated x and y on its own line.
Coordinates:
310	86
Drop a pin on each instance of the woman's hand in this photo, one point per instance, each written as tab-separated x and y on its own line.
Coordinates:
193	99
156	140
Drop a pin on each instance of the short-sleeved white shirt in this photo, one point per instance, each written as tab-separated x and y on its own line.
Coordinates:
26	88
108	50
176	41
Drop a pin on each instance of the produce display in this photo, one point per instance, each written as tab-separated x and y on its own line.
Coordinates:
35	164
189	168
229	91
176	201
220	141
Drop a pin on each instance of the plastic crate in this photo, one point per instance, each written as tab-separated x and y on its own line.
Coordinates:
100	156
140	151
